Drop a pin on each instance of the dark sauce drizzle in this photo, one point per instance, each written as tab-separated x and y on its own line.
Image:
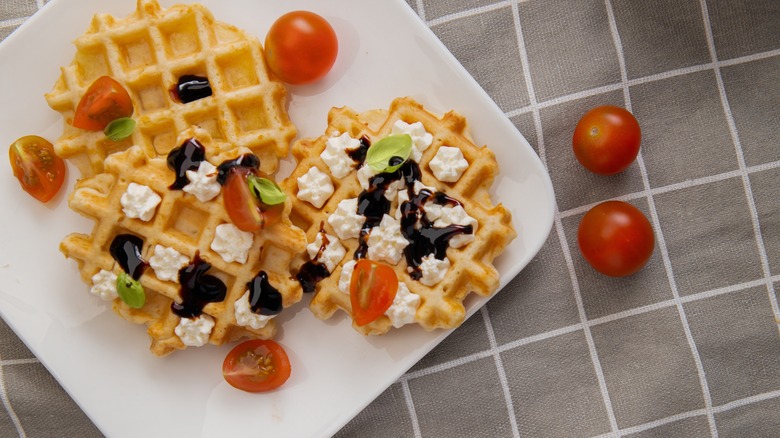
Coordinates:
264	299
249	161
126	250
313	271
186	157
190	88
197	289
358	154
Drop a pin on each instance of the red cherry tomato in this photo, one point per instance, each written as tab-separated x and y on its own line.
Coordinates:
39	170
301	47
256	366
372	289
105	101
244	209
616	238
606	140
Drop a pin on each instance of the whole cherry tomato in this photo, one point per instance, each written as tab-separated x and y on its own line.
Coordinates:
39	170
256	366
246	211
606	140
301	47
105	101
371	290
615	238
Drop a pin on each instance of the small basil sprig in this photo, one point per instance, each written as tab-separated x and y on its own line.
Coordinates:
130	291
389	153
266	190
120	128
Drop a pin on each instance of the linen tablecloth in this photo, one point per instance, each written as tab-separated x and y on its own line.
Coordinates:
689	346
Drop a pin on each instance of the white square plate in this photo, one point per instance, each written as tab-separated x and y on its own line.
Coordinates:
104	363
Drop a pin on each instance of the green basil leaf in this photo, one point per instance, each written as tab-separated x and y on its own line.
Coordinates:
389	153
266	190
120	128
130	291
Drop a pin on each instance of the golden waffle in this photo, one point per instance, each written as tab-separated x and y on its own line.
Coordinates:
441	305
183	223
147	52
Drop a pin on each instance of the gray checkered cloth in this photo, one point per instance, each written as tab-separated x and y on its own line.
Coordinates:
690	345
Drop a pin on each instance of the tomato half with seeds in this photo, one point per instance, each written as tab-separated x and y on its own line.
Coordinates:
105	101
616	238
39	170
246	211
256	366
301	47
606	140
372	289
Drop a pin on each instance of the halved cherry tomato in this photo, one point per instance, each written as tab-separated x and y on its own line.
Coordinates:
616	238
105	101
301	47
246	211
372	289
39	170
256	366
606	140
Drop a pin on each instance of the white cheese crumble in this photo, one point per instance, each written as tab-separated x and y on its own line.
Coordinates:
404	306
139	201
345	220
203	182
448	164
231	243
346	276
335	154
433	270
104	285
386	241
444	216
331	255
167	262
421	139
315	187
245	317
195	332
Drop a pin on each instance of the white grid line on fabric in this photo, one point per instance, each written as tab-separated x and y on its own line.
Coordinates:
11	362
410	407
421	10
510	407
659	231
557	219
40	3
468	13
677	186
741	160
8	407
699	412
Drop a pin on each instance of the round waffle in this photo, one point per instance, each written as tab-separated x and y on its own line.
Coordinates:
183	223
471	268
147	52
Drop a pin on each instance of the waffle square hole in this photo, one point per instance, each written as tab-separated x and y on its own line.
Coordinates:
136	50
209	121
91	63
186	222
108	146
162	137
238	69
150	93
250	115
180	37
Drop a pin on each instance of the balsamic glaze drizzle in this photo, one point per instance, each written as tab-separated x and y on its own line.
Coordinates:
126	250
186	157
313	271
249	161
358	154
197	289
190	88
264	299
